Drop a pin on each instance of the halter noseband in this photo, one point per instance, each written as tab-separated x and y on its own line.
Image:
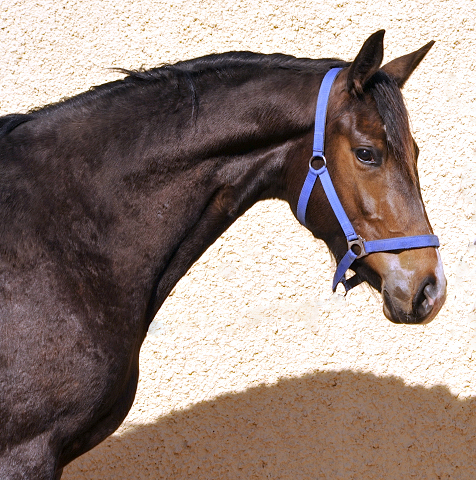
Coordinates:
357	247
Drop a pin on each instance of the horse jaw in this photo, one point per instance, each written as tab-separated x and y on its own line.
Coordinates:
412	296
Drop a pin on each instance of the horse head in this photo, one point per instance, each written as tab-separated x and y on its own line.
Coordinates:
371	158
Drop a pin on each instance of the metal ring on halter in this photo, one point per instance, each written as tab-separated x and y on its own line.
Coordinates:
320	170
357	246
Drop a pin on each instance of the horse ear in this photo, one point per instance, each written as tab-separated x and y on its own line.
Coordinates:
401	68
366	63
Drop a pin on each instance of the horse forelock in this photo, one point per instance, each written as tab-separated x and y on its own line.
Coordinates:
394	115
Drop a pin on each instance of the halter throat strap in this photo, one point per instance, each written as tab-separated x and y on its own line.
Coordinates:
357	247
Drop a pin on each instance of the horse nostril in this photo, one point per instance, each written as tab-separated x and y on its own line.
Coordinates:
424	300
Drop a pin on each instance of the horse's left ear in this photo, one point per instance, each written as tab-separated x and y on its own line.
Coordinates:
366	63
401	68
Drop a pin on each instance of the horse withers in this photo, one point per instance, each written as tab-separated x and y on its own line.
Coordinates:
108	198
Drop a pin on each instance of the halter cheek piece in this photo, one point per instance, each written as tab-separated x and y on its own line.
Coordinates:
357	247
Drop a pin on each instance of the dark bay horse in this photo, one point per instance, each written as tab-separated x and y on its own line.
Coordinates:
109	197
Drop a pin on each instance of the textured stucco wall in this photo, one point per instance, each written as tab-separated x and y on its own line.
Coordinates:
252	368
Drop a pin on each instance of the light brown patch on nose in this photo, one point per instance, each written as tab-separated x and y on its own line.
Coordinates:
413	284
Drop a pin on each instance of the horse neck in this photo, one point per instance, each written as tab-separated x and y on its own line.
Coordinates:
233	135
207	174
156	188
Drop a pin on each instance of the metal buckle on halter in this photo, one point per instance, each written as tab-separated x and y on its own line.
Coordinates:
357	246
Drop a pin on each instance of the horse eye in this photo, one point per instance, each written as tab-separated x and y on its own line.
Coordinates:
365	155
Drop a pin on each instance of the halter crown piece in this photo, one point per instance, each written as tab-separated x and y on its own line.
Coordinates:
357	247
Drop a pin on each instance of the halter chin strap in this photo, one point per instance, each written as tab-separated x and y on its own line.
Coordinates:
357	247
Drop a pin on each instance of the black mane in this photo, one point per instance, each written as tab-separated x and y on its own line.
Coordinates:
11	121
385	91
224	65
230	62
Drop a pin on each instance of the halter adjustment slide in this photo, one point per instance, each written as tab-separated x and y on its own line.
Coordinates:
358	247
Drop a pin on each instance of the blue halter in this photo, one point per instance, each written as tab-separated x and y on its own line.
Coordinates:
357	246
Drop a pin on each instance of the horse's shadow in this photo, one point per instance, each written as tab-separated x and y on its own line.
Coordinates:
328	425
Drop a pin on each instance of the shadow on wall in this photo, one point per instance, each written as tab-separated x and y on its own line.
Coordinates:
328	425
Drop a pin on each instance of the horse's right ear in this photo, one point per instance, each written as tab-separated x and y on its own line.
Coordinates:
366	63
401	68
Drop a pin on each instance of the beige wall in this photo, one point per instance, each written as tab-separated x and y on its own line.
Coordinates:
252	369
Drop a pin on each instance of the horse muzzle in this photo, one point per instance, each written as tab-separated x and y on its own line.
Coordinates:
409	301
